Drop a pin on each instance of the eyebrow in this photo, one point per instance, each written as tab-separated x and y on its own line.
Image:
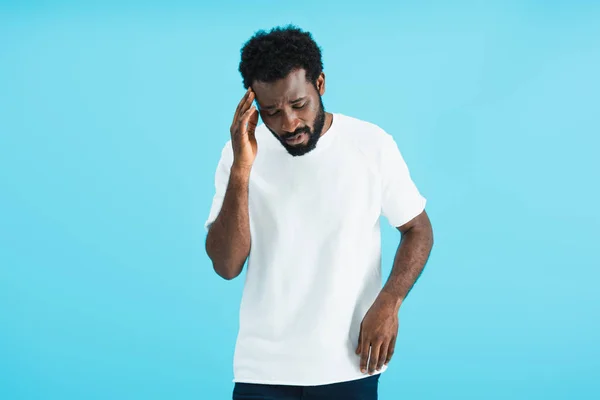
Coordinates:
291	102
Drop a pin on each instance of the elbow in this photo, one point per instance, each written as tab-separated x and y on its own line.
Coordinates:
226	271
224	262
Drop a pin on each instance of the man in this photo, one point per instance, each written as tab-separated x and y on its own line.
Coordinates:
300	197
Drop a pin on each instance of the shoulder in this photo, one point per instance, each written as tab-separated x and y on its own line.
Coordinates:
368	137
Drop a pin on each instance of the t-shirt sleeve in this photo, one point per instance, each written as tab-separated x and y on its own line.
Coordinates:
221	181
401	200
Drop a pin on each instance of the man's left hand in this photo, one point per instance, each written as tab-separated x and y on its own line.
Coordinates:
378	332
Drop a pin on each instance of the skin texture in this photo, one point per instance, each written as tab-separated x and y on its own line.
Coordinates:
288	106
291	105
379	328
228	239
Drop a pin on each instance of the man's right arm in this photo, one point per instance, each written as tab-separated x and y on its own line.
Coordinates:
228	239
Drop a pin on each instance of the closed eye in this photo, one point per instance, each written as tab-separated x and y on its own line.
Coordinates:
297	107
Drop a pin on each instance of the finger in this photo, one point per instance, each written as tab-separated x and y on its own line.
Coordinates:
252	121
244	120
383	354
247	103
239	106
247	114
390	351
364	355
359	342
374	356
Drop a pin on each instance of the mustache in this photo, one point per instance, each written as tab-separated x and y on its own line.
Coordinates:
304	129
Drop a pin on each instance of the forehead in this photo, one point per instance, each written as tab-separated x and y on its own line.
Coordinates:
283	90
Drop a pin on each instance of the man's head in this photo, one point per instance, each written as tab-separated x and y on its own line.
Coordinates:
285	71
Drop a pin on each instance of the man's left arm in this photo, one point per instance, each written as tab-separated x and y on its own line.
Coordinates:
379	327
415	246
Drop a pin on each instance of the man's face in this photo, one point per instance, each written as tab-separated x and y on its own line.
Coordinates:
292	109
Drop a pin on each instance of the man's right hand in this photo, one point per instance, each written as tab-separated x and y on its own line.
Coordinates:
242	132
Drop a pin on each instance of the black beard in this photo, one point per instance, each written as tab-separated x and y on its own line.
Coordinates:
313	137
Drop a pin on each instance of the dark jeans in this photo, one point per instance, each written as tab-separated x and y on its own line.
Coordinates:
359	389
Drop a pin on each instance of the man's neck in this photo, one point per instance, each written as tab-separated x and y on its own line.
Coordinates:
328	122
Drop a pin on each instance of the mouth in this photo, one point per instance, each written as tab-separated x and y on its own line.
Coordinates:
296	139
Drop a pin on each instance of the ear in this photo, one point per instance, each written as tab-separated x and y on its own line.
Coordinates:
321	84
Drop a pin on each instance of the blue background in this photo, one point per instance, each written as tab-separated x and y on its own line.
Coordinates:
112	118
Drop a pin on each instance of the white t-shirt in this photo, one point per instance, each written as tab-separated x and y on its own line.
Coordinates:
314	267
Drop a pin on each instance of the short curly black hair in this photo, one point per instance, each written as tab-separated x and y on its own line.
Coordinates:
270	56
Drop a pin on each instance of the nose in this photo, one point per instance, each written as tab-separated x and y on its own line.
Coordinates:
289	122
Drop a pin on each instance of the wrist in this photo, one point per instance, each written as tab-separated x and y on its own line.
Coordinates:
390	299
241	170
240	175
